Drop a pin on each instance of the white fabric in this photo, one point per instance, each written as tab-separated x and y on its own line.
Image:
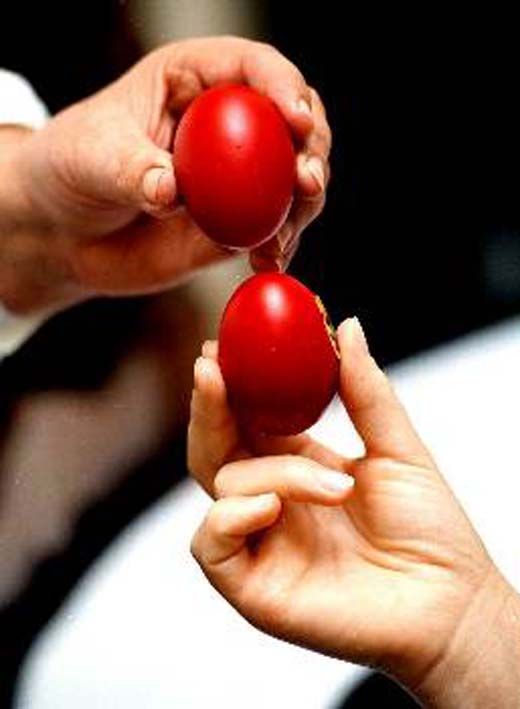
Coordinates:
16	329
145	629
18	102
18	105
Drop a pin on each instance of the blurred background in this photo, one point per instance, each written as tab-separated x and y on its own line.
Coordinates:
419	238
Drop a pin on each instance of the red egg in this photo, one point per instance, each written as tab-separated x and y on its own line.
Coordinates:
235	165
278	355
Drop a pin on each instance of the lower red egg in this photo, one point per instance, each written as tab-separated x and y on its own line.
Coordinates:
278	355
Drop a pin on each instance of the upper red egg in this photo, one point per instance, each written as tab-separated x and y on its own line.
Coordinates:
235	165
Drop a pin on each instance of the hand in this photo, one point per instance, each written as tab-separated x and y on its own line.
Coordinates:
386	572
98	181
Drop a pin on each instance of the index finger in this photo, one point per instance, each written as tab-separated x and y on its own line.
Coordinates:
194	65
213	437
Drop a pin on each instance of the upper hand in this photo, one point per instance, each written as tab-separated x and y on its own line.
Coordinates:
99	176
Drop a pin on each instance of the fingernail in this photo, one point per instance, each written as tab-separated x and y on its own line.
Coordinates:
315	167
333	481
210	349
358	336
266	499
200	373
302	106
156	185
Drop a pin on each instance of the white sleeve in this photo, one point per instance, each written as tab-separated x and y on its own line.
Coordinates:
15	329
19	105
18	102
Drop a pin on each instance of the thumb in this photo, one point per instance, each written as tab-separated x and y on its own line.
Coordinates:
376	412
145	177
125	168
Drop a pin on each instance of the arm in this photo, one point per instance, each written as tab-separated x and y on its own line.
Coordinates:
371	560
21	112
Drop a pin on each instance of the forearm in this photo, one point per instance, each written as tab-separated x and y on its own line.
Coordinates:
32	278
481	667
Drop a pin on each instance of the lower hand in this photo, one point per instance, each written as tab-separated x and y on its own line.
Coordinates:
371	560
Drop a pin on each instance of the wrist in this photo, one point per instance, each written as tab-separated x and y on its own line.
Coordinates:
33	276
481	665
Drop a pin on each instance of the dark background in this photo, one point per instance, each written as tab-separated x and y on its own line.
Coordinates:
420	234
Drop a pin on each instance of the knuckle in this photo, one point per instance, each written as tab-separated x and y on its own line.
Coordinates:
291	469
217	522
318	206
127	174
322	140
221	481
268	48
327	136
272	53
323	132
314	205
316	99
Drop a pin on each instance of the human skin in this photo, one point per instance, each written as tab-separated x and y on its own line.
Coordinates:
88	204
370	560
